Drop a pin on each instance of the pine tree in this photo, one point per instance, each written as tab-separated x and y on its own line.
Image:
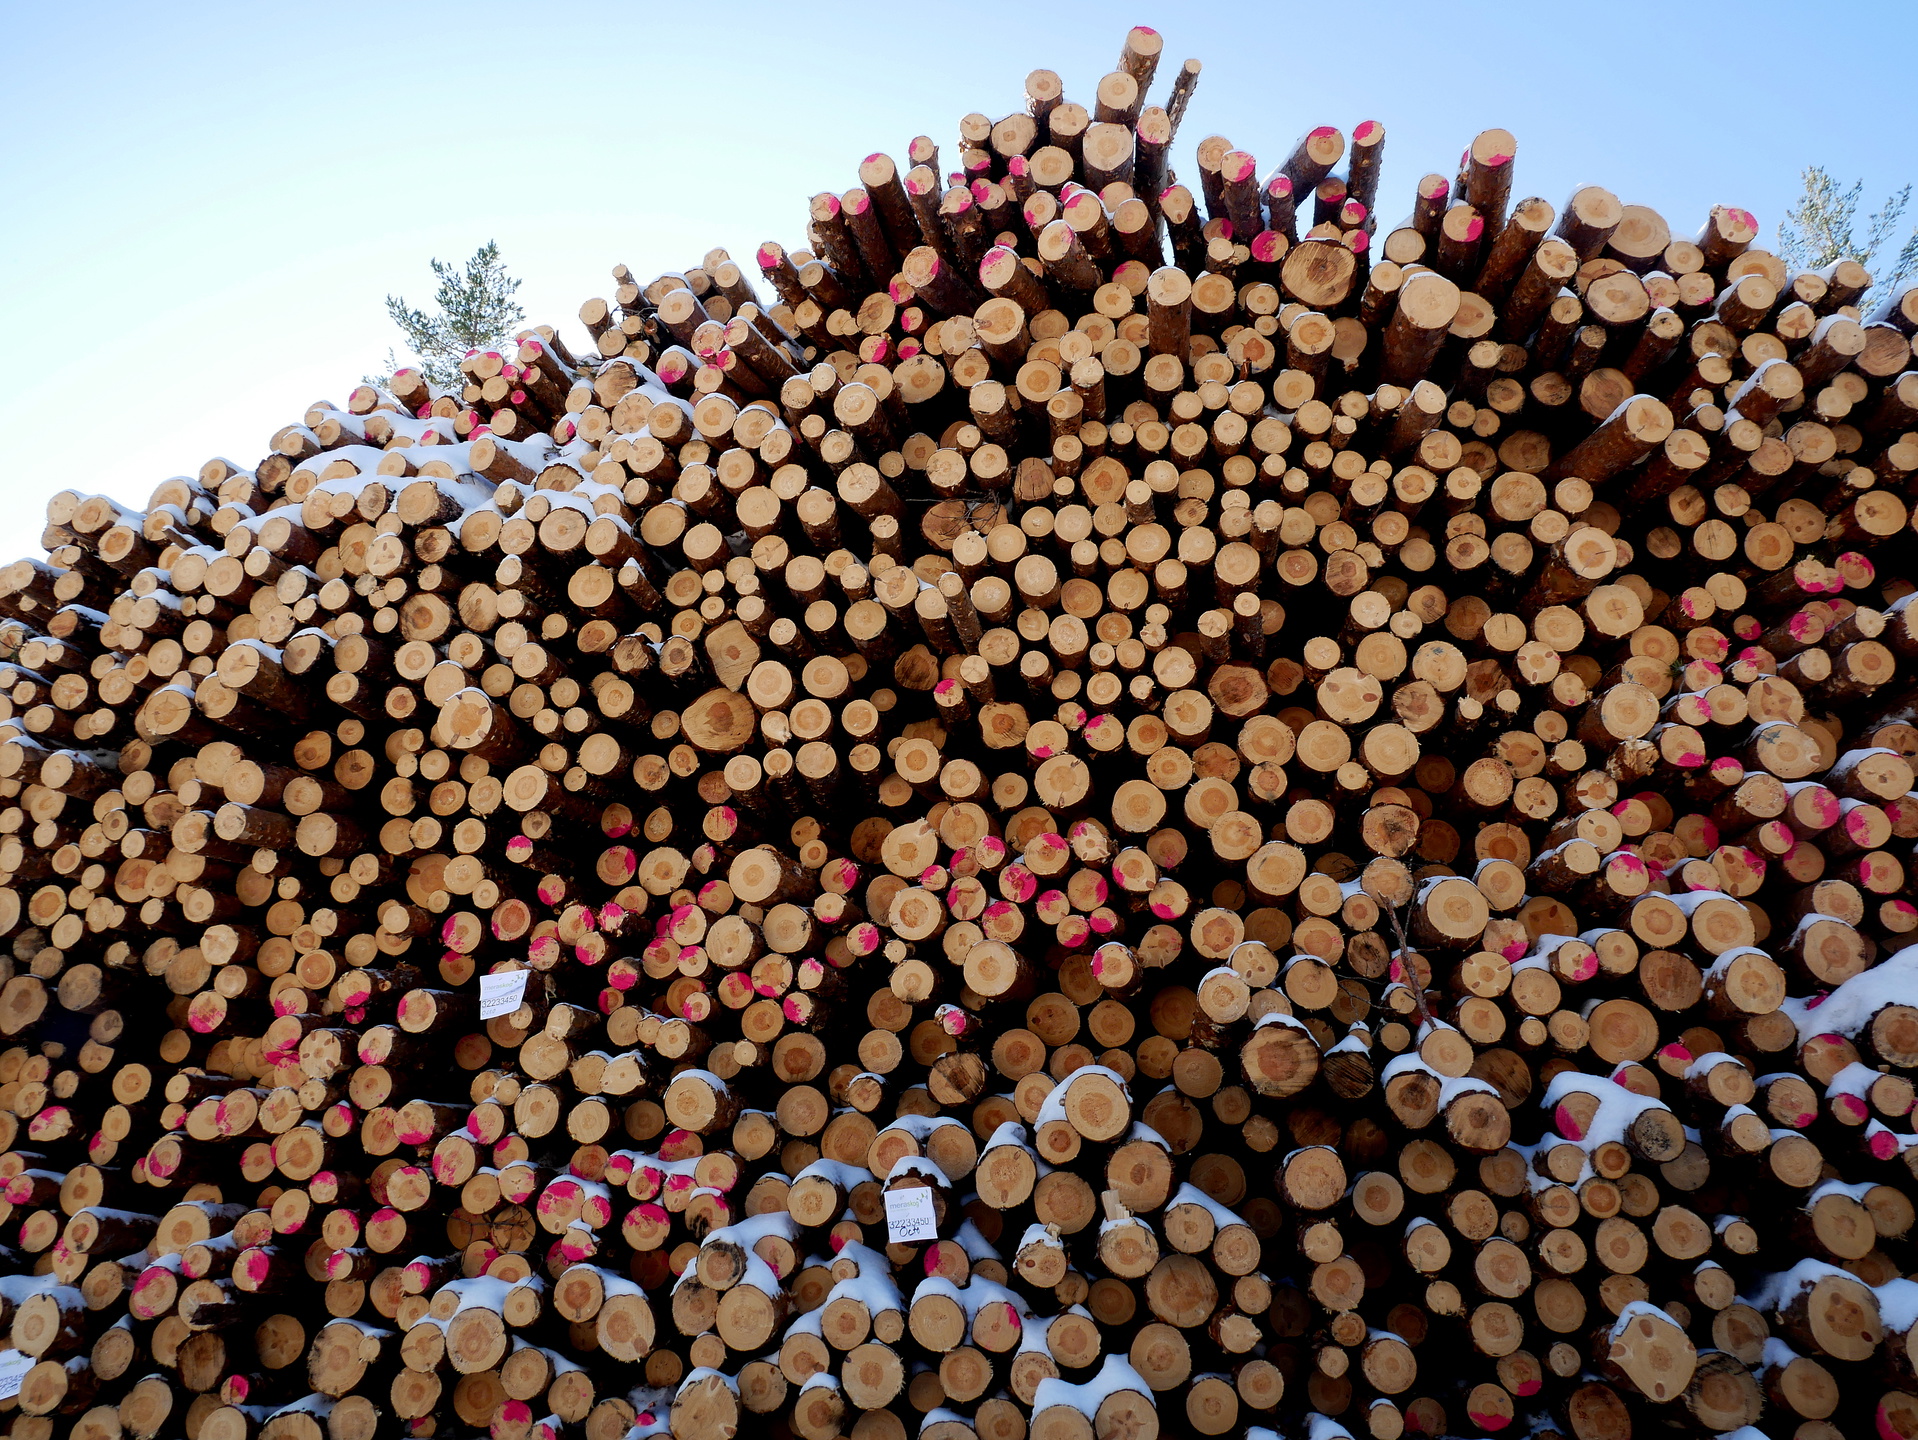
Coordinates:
475	310
1822	229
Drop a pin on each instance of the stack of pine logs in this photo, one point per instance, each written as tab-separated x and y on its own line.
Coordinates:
1114	805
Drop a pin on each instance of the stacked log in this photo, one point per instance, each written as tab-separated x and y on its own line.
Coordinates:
1112	805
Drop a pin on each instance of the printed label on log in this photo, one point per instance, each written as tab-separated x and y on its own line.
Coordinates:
909	1217
13	1369
501	994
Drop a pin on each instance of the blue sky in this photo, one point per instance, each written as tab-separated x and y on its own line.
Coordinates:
205	205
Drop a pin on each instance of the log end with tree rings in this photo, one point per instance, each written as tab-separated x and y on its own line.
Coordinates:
1106	809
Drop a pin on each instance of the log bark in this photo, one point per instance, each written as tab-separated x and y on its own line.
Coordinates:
1049	826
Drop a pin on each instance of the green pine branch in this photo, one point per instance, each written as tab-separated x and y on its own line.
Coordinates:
473	309
1824	228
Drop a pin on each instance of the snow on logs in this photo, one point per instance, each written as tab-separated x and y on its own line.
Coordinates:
1091	807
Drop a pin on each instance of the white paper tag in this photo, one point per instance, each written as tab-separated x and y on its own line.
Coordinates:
501	994
13	1369
909	1216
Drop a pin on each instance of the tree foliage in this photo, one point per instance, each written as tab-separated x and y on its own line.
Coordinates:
1823	228
473	309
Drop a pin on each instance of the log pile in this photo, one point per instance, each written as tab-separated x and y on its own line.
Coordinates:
1108	801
